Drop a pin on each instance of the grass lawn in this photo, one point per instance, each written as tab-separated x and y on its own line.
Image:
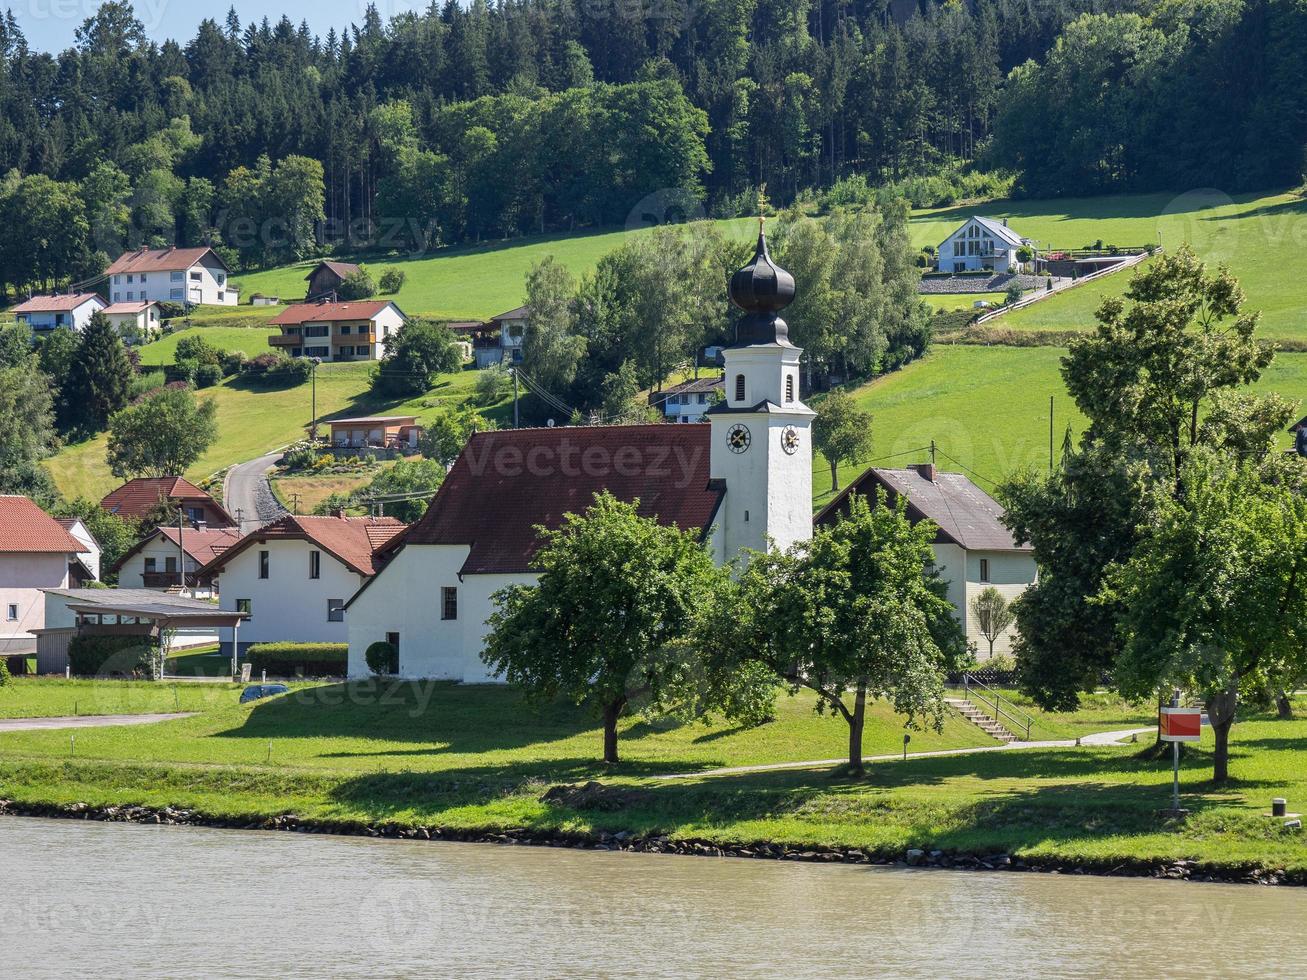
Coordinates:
476	758
313	490
251	340
1255	234
960	301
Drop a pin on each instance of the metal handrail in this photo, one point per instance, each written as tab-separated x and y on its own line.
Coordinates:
996	699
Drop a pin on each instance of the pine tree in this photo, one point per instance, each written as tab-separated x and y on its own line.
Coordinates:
99	378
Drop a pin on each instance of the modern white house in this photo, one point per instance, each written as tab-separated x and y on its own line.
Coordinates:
192	276
293	576
980	243
688	401
158	560
36	553
49	312
741	480
139	319
354	331
973	549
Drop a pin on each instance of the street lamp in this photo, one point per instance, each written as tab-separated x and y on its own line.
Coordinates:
313	424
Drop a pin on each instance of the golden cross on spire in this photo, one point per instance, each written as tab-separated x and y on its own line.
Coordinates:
762	207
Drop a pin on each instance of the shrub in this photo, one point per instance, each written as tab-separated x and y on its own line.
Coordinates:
207	375
382	658
182	370
232	362
392	279
492	385
193	347
357	285
4	673
325	461
295	659
277	370
111	655
170	311
1013	294
299	457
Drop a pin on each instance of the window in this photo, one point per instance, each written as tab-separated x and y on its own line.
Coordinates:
739	387
335	610
12	612
449	603
318	351
117	280
142	280
175	276
222	280
344	330
703	398
263	564
60	319
984	569
195	277
789	387
243	606
130	295
393	640
297	352
129	280
151	565
117	297
170	563
195	515
315	565
221	295
176	294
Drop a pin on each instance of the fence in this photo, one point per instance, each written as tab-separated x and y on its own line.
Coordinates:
1043	294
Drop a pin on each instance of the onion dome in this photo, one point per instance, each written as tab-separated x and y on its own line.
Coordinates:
761	289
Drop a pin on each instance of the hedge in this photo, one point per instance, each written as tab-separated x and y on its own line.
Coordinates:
112	655
294	659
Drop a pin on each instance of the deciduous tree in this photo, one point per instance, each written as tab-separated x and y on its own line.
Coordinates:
841	432
993	615
162	434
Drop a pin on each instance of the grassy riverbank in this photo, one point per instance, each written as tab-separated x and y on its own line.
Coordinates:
476	759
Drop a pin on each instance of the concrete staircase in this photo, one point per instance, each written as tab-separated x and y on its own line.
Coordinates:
981	720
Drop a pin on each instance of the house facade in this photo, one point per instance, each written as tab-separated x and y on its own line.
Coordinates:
741	480
688	401
337	331
973	549
36	553
326	278
89	559
191	276
74	311
980	244
294	576
138	320
380	431
137	498
159	560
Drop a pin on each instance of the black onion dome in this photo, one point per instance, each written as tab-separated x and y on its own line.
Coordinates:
761	288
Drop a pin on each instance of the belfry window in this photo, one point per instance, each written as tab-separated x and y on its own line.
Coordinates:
789	388
739	387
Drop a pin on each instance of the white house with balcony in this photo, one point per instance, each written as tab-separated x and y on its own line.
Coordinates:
980	244
158	560
353	331
72	311
192	276
689	400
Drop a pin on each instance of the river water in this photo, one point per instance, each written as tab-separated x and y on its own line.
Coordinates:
110	900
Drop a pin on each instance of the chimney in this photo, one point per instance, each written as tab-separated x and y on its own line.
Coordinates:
338	512
926	470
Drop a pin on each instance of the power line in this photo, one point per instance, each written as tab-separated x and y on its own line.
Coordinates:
979	476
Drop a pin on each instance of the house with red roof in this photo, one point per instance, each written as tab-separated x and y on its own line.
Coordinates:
293	577
135	322
137	498
191	276
353	331
741	480
73	311
36	552
161	559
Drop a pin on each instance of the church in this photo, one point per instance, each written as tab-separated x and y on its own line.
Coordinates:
742	479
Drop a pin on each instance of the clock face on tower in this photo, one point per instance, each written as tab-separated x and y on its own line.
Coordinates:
790	440
738	438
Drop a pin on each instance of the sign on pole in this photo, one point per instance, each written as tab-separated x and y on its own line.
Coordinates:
1181	724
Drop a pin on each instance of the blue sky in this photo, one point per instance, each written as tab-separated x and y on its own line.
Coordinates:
49	24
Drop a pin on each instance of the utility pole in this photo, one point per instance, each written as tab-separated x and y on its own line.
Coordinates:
1050	434
516	423
181	553
932	454
295	503
313	374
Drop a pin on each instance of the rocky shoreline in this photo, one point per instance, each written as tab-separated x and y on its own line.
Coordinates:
663	844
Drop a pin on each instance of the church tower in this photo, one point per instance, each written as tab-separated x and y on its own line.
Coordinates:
762	432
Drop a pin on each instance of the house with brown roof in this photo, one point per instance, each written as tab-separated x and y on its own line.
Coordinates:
191	276
135	322
293	576
137	498
354	331
161	559
973	549
326	277
73	311
36	552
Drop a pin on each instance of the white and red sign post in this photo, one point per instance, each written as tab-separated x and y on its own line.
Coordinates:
1176	725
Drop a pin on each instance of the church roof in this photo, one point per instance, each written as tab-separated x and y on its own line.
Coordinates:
506	483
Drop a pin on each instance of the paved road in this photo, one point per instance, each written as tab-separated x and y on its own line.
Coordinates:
246	494
86	721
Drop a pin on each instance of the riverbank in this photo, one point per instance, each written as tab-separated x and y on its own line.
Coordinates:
466	763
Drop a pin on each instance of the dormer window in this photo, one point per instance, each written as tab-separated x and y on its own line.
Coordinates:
739	387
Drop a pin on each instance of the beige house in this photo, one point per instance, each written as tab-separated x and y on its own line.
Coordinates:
973	550
354	331
139	319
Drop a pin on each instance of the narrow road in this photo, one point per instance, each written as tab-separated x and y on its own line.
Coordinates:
247	496
86	721
1098	738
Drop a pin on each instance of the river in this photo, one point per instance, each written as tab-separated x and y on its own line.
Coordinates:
86	898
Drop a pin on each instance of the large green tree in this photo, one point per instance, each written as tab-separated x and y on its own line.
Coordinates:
841	433
162	434
551	350
419	351
99	378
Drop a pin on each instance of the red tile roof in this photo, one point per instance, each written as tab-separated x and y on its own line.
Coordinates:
56	304
341	269
138	497
354	541
160	260
506	483
129	308
293	316
202	545
26	528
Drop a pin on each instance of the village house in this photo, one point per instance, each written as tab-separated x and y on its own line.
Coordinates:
293	577
191	276
741	480
137	498
36	553
337	331
326	278
689	400
158	560
135	321
89	559
973	549
980	244
381	431
48	312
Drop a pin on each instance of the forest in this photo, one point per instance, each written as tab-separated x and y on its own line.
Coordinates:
489	120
